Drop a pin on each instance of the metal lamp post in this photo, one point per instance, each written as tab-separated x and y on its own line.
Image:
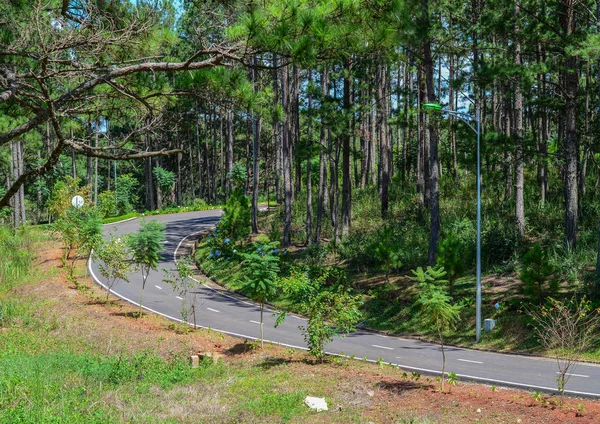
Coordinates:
466	118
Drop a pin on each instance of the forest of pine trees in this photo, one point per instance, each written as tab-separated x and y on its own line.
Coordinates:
316	103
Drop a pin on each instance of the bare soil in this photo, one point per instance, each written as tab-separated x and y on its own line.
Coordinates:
381	394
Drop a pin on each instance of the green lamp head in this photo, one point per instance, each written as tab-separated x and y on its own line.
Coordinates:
432	106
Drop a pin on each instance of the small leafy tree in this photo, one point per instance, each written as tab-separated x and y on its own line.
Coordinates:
181	281
566	329
536	272
436	310
236	222
146	245
62	193
262	268
80	229
113	256
331	311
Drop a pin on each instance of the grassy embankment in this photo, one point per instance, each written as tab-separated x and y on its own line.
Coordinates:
68	357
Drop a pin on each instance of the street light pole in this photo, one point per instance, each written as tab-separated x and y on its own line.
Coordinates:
478	278
465	118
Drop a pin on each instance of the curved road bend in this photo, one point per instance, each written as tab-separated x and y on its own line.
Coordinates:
230	315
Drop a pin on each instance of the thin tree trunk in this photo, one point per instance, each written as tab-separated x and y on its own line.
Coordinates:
229	155
518	123
384	140
309	170
255	155
434	234
346	177
287	159
321	203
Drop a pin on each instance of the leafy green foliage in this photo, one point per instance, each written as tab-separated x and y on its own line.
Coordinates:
62	193
262	268
236	222
107	204
331	311
113	256
80	229
435	306
388	258
165	180
126	193
146	245
535	274
451	258
238	175
181	281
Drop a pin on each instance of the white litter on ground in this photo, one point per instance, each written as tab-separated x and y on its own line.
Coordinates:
316	403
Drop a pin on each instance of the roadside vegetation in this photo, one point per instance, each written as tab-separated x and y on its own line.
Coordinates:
68	356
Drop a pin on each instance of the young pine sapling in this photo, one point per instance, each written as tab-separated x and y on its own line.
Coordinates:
435	306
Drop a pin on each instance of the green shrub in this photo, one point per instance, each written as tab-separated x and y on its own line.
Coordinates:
236	222
499	242
535	275
107	204
125	193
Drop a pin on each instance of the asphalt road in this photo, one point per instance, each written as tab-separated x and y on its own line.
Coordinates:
235	316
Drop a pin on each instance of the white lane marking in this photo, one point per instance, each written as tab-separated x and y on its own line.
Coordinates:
255	322
408	367
211	309
576	375
382	336
383	347
294	316
473	362
178	297
158	287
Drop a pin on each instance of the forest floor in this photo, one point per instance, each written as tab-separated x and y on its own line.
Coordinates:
248	384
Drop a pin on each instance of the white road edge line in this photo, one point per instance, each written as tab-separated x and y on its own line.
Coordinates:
211	309
231	333
576	375
472	362
255	322
179	297
158	287
383	347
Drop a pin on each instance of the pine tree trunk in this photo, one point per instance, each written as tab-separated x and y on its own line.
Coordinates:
276	137
287	159
346	177
198	150
255	156
229	155
295	145
309	170
384	140
322	200
434	234
570	78
518	125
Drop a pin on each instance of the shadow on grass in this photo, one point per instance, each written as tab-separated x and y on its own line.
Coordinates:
273	362
241	348
129	314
